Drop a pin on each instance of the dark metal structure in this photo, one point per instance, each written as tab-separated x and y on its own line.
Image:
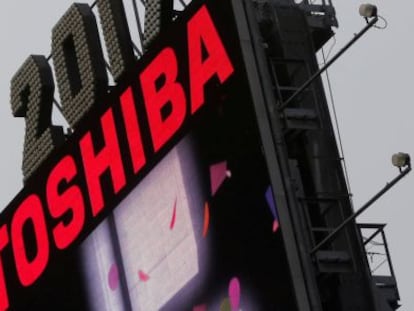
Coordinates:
312	193
281	40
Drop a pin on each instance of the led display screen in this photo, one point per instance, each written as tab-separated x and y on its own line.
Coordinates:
161	199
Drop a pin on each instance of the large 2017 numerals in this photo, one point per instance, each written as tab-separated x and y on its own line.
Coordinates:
80	73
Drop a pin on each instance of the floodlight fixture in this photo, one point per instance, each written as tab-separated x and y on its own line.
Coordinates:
401	160
368	10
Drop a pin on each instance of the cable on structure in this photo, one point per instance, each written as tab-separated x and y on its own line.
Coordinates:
329	51
379	266
383	26
337	127
332	46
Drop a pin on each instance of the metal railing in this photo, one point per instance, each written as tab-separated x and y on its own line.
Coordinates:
376	249
319	9
318	2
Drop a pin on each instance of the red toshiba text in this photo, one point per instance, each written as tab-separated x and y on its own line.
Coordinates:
66	200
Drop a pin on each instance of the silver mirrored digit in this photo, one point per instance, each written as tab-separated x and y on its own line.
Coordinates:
78	62
117	36
31	93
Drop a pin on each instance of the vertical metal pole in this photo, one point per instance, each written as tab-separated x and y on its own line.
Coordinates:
388	254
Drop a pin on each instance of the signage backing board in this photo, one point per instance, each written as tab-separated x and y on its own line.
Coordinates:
161	198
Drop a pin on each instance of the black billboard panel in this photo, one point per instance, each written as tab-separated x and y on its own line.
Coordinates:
161	199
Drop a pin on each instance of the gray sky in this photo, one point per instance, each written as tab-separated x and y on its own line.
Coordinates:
372	91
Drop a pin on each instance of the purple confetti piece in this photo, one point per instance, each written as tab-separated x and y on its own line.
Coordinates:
271	203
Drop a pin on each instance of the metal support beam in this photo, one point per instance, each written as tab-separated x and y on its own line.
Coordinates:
379	229
328	64
351	218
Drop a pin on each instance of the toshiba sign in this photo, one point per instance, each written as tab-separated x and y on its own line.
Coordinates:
174	147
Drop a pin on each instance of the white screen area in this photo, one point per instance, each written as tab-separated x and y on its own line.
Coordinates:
151	247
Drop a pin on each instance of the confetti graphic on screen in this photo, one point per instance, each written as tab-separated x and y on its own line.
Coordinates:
234	293
275	225
271	203
218	174
174	215
206	219
143	276
200	308
113	277
225	305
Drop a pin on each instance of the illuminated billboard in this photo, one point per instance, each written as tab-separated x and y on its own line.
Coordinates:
161	198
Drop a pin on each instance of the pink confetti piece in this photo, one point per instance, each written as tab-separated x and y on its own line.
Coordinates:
143	276
275	225
234	294
200	308
206	219
174	215
218	174
113	277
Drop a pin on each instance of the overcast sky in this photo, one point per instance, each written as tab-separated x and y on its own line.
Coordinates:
372	86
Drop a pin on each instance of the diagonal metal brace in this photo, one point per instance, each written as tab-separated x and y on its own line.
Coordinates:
351	218
328	64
